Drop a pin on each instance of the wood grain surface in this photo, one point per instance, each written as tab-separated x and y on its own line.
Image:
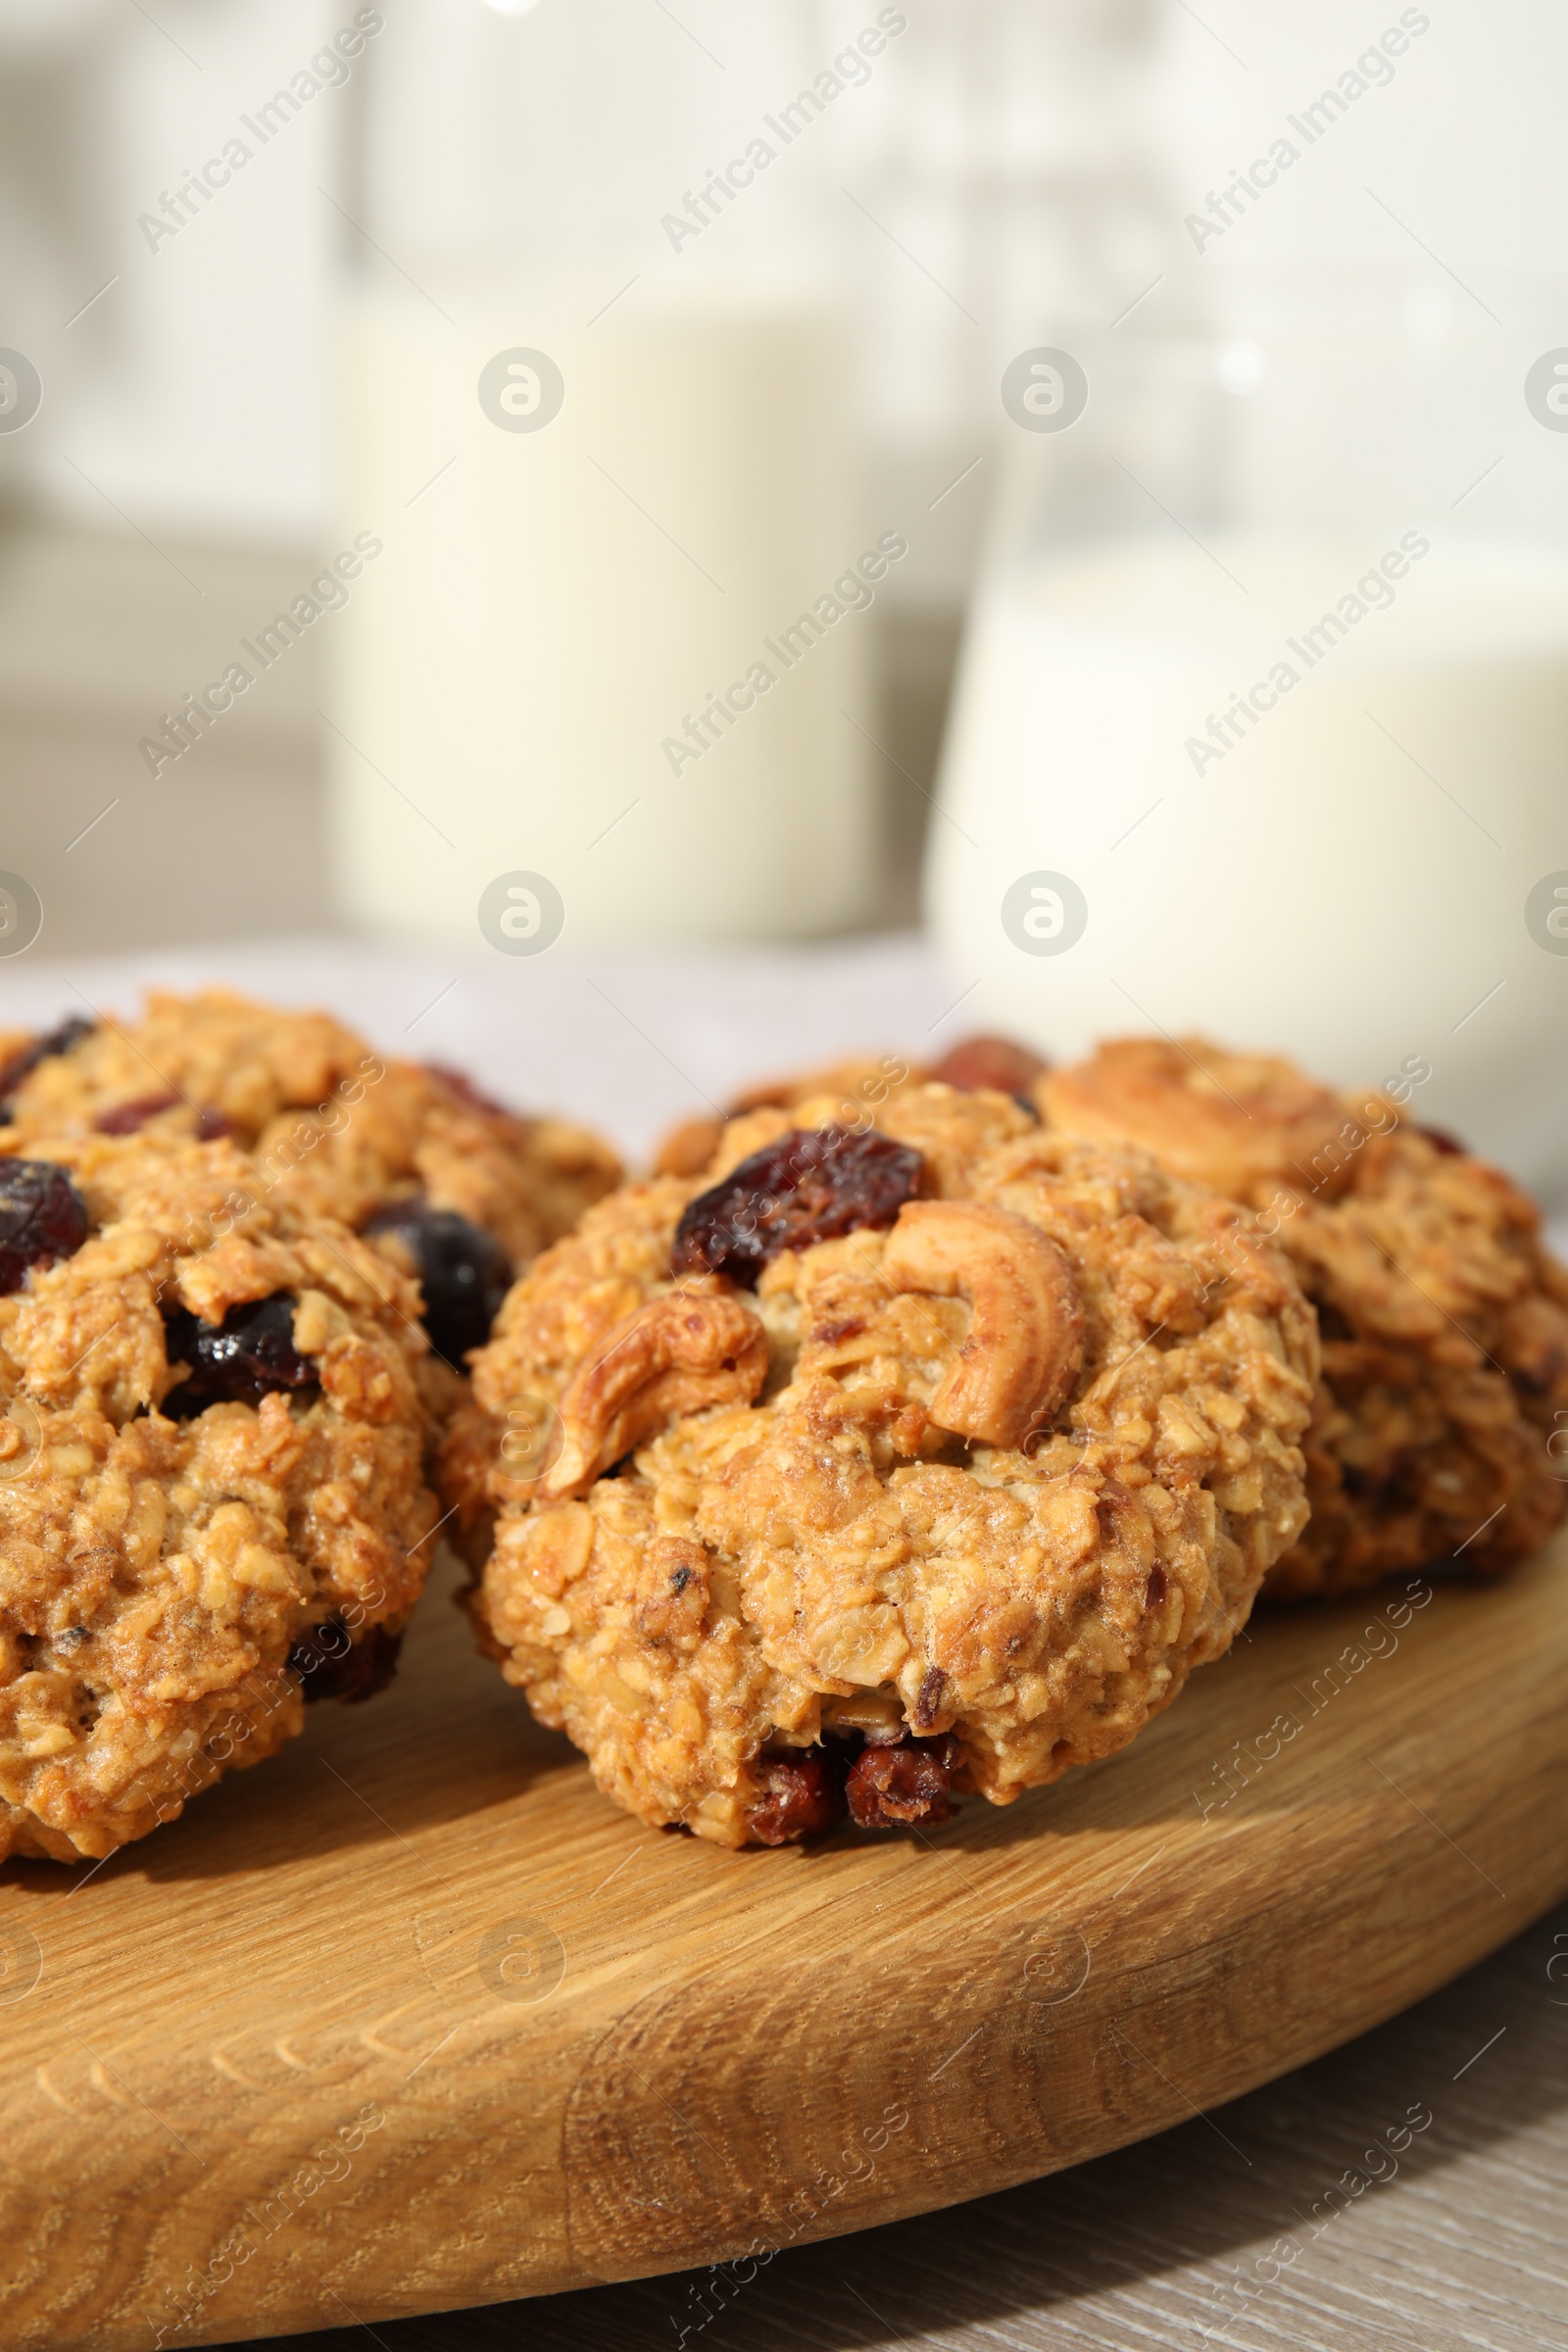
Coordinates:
1186	2239
409	2019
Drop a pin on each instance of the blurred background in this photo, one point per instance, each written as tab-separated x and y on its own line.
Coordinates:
803	470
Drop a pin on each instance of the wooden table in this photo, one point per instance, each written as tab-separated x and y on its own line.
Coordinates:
1171	2243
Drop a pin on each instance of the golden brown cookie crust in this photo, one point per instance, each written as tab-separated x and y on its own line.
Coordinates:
857	1087
823	1547
1230	1122
335	1127
155	1572
1445	1319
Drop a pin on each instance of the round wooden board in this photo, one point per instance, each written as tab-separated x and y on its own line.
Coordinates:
412	2019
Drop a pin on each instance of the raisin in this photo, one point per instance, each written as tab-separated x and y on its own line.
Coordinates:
1387	1489
331	1666
830	1335
43	1048
912	1782
1157	1587
991	1062
42	1217
811	1185
237	1361
1442	1141
803	1796
463	1272
928	1703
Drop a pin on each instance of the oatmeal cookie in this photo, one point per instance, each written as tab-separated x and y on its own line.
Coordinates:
1444	1320
858	1085
211	1496
453	1188
875	1462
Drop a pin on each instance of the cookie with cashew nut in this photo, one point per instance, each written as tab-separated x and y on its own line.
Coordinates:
857	1087
871	1466
212	1503
1445	1319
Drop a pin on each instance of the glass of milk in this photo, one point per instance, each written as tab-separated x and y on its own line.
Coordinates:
615	639
1261	728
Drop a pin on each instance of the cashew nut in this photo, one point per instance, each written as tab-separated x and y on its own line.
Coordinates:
1026	1330
693	1347
1231	1122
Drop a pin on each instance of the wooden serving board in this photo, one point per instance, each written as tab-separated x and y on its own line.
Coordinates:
412	2019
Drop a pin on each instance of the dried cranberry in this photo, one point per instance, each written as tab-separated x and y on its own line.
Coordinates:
468	1093
811	1185
332	1666
888	1787
43	1048
237	1361
991	1062
128	1118
1442	1140
803	1796
42	1217
463	1272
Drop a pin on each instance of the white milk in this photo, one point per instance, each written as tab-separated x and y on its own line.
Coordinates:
560	603
1346	881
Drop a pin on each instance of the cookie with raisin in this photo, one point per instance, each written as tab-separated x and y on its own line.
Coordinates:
1444	1318
211	1500
857	1087
458	1192
872	1466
